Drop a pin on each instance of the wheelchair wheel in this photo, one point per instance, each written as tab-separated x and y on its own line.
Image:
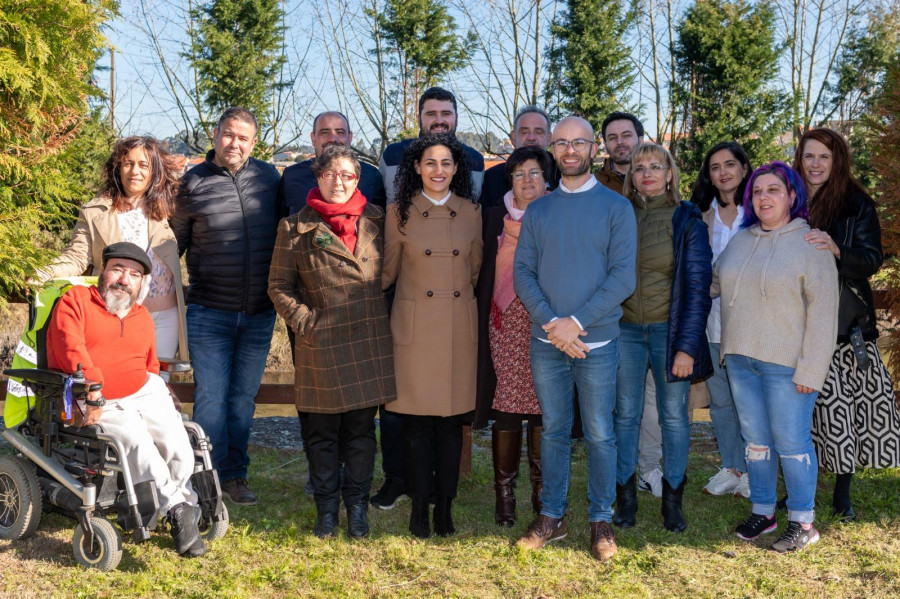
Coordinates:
107	548
20	498
213	531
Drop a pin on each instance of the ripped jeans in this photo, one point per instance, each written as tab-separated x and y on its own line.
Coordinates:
775	423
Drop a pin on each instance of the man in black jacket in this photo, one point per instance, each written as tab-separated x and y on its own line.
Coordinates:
225	219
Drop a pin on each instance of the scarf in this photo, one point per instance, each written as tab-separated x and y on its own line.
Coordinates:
340	218
504	293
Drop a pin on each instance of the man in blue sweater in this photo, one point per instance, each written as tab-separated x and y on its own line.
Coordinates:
574	267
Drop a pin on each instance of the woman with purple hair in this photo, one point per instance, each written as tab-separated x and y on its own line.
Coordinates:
779	322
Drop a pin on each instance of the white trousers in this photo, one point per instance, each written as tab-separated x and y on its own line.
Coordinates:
155	441
166	323
650	443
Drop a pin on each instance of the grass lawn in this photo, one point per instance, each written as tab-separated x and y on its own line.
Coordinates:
270	550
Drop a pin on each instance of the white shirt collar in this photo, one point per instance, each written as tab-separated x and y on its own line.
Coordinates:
587	185
437	202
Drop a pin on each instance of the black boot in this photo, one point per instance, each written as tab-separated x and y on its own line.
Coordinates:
843	507
443	516
418	518
358	520
673	518
507	450
184	519
326	523
626	503
534	463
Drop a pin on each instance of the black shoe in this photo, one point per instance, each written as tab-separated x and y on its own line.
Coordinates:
184	519
795	538
358	520
844	514
238	492
673	517
418	518
754	526
326	523
626	503
390	493
443	516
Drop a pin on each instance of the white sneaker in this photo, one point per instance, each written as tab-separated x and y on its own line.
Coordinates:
652	481
743	487
725	482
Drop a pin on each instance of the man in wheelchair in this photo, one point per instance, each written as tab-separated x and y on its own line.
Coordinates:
111	336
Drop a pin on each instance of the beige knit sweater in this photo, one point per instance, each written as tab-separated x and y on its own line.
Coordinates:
779	300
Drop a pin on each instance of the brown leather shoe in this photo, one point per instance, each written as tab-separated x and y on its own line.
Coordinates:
543	530
238	492
603	541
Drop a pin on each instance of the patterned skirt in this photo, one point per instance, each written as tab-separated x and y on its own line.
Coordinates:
855	421
510	338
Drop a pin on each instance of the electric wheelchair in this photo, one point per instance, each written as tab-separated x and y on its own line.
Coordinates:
81	471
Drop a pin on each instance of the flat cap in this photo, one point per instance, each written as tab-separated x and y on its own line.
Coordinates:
128	251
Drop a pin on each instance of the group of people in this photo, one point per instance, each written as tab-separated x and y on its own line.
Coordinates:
432	293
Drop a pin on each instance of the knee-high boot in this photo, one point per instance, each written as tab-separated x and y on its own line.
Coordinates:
534	464
507	450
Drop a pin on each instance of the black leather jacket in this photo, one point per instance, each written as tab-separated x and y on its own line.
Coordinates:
857	233
227	225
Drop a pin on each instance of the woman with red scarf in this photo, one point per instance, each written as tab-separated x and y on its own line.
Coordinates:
325	282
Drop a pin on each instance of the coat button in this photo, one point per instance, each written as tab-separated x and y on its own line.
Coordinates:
425	214
452	213
429	293
342	264
365	259
456	294
456	252
427	252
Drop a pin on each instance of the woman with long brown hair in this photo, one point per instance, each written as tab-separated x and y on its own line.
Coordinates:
855	421
134	204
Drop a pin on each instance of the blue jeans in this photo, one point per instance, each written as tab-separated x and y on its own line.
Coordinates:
724	415
555	377
776	422
643	346
228	352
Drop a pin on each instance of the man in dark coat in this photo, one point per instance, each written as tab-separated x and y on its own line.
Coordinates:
225	219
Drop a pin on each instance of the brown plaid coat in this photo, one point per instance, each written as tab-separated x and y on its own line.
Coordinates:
434	319
332	299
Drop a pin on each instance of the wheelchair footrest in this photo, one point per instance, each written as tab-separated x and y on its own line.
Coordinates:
209	493
144	515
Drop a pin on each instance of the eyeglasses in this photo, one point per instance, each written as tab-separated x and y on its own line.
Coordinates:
345	177
639	170
577	144
532	174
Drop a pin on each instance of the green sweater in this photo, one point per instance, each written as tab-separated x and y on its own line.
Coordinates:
779	300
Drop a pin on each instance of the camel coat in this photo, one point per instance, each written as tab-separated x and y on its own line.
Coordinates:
98	227
434	320
333	302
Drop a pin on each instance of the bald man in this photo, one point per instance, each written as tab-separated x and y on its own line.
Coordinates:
574	266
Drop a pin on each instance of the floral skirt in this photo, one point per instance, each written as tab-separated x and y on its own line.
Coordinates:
510	337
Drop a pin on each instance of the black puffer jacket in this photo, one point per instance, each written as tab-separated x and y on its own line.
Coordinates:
857	232
227	225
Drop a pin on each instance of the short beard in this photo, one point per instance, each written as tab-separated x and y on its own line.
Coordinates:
116	303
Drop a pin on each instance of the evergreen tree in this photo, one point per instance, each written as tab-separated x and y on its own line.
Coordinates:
727	65
884	127
237	53
51	145
421	35
590	67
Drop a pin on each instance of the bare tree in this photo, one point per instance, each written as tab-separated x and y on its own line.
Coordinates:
509	69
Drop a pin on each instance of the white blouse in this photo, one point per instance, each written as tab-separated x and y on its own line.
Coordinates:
721	235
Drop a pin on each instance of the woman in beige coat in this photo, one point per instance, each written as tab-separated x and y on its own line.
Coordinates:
134	204
433	253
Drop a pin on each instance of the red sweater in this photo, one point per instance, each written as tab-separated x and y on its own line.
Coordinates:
82	331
